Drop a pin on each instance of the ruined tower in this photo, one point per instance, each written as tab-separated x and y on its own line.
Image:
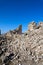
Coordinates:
19	29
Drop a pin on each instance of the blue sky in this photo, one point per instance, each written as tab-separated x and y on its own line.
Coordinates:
15	12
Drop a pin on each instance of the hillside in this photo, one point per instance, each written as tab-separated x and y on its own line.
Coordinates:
17	48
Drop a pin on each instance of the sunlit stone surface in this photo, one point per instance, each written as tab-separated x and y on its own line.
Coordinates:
17	48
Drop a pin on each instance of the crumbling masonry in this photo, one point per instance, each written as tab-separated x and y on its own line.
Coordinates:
22	49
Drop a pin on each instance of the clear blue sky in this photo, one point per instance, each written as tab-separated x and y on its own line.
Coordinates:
15	12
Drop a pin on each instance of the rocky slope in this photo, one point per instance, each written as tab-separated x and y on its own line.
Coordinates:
17	48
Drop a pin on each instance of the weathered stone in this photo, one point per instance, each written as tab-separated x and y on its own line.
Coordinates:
27	48
32	26
18	30
0	61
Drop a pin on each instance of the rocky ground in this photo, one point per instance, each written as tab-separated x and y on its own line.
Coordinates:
17	48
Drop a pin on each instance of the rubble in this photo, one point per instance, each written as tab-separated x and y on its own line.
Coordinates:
22	49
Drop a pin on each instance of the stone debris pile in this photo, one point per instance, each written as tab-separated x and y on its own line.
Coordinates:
17	48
